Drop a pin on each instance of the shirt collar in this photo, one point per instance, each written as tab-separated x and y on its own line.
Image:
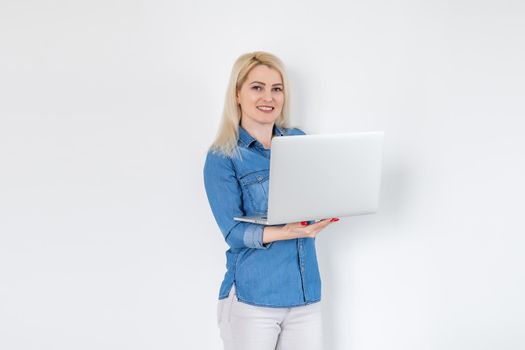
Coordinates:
246	139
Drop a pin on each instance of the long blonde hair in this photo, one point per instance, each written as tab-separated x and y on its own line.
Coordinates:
226	139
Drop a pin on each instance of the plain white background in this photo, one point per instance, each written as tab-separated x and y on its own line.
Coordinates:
106	112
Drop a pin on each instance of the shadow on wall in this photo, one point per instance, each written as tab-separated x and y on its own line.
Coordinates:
336	248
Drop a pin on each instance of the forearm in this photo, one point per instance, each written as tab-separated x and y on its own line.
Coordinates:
276	233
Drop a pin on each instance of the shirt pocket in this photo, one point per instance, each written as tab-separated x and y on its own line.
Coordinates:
255	191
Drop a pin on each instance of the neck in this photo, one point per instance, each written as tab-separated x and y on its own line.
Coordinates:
261	132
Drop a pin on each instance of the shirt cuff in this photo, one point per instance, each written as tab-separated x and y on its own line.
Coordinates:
253	237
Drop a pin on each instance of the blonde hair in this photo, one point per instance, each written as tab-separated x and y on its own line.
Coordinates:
226	139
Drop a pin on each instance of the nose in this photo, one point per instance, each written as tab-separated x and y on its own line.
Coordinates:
267	96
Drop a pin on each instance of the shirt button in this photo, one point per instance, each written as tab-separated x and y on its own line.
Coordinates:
259	178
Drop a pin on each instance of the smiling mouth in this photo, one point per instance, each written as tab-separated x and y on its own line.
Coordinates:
265	108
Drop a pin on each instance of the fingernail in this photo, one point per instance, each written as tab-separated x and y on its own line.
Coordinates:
334	219
304	223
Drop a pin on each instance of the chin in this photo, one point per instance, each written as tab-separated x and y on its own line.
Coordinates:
267	120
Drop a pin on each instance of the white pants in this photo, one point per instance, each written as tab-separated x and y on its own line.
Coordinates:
248	327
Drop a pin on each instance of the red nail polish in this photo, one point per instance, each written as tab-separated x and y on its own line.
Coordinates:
334	219
304	223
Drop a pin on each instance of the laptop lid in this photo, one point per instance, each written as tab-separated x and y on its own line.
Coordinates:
314	177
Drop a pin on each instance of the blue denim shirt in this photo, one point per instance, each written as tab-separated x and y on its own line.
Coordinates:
278	274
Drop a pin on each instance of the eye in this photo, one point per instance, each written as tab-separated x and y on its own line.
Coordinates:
256	87
278	89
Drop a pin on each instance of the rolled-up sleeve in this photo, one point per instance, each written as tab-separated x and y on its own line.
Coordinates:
253	236
225	197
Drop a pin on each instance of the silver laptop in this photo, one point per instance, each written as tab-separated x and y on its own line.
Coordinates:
314	177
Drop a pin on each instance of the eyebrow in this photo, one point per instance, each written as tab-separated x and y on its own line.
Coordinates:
260	82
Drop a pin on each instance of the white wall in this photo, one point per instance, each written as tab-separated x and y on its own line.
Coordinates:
106	111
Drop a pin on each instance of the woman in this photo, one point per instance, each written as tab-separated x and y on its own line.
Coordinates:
271	292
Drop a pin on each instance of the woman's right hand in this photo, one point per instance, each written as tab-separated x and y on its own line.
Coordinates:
303	230
294	230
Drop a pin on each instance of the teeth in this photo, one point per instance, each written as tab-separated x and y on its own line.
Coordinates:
265	108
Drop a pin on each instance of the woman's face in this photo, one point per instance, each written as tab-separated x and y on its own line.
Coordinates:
262	88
